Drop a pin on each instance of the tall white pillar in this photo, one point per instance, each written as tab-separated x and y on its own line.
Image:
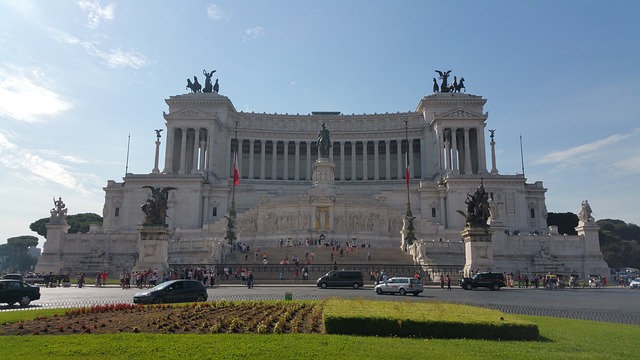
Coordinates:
376	159
296	175
468	170
263	148
308	160
399	160
183	151
447	152
239	158
365	161
196	145
387	160
353	160
285	155
251	150
482	161
168	160
455	154
411	162
342	159
274	163
203	155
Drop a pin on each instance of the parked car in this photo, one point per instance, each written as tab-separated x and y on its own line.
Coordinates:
400	285
493	281
16	291
341	278
173	291
12	277
635	284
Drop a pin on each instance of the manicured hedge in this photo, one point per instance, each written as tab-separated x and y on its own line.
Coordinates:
424	320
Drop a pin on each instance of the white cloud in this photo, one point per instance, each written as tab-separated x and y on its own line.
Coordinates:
96	14
115	58
629	165
254	33
582	151
26	97
119	58
216	13
30	166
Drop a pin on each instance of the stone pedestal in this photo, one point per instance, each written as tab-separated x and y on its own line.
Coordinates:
51	258
593	263
478	250
323	178
153	248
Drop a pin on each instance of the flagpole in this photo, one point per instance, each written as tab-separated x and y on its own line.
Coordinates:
235	164
408	218
231	219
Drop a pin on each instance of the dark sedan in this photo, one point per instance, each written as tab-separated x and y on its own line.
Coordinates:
16	291
173	291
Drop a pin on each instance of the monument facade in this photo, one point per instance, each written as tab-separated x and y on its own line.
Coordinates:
346	181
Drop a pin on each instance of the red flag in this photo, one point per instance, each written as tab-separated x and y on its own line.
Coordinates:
407	171
236	174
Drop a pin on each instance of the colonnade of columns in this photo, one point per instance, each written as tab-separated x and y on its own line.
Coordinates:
187	150
355	160
463	151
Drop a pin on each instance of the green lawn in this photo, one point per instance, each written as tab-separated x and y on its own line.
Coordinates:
560	339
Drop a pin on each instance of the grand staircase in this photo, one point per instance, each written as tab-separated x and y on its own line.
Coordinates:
280	265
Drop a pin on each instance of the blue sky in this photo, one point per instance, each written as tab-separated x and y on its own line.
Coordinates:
78	77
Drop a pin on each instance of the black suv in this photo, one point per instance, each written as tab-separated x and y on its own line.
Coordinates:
493	281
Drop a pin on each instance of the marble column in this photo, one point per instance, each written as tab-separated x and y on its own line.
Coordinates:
196	144
365	161
353	160
376	159
468	170
168	161
183	151
455	154
274	162
263	151
399	160
251	150
296	175
387	160
285	155
342	159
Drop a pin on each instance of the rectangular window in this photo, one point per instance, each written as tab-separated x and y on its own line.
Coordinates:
214	212
117	212
533	213
433	212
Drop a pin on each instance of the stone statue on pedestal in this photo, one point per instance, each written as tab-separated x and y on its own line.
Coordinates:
324	142
59	212
477	208
155	208
585	213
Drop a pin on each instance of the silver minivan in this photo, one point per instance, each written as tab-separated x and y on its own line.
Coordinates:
400	285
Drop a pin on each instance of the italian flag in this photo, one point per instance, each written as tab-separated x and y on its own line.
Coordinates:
407	169
236	174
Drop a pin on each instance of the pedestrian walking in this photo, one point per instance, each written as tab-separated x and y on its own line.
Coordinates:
250	280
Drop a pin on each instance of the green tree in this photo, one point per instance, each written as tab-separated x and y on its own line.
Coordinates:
566	222
15	254
79	223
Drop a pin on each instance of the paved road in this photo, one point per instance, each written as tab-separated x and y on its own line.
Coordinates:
611	304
